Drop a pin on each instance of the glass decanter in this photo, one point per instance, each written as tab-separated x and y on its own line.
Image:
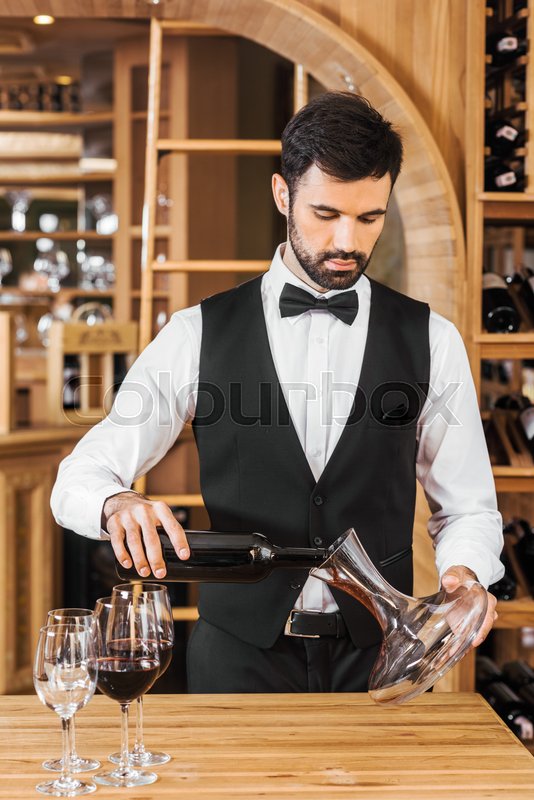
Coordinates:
423	637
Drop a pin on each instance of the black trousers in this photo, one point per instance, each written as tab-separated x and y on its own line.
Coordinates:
219	663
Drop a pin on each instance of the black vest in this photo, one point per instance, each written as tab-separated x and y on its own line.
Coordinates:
255	476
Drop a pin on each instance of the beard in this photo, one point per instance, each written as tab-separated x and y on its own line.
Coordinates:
314	266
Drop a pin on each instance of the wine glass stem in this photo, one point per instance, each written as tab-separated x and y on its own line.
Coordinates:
139	746
67	744
73	754
123	765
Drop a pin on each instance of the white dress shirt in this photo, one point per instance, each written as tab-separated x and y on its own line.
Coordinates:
319	379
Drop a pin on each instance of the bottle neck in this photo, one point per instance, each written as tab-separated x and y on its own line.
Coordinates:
299	557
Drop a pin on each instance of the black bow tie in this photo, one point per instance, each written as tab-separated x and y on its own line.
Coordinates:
294	300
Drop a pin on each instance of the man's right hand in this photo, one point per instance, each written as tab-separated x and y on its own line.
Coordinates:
131	519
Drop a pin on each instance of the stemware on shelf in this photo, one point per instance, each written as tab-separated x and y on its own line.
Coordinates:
128	665
157	592
20	202
52	262
6	263
64	677
84	618
422	637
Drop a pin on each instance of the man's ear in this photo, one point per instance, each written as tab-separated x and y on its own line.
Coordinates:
280	194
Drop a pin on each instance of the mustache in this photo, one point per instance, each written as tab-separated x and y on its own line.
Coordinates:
339	255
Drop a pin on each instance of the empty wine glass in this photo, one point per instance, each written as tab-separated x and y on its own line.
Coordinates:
20	203
51	262
157	592
64	677
100	206
128	665
6	263
84	618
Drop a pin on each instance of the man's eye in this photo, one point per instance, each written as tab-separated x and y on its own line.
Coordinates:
367	221
324	216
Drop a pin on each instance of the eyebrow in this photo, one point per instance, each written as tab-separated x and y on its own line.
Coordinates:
374	212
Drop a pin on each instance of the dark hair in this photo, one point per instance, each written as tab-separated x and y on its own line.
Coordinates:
343	135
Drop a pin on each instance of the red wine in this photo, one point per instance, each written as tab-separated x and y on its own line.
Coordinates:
165	657
126	679
228	558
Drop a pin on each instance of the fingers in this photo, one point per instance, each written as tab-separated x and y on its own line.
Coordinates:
489	619
117	534
174	529
133	528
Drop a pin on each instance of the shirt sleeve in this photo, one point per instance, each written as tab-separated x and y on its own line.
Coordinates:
453	464
156	399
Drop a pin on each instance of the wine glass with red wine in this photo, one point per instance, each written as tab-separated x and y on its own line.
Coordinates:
139	756
128	665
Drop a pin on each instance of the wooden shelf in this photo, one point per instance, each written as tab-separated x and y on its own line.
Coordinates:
162	231
46	180
50	119
185	613
191	500
515	613
66	236
210	266
224	146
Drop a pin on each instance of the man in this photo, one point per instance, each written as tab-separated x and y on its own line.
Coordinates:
314	394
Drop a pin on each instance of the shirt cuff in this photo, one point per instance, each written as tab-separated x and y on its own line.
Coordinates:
487	568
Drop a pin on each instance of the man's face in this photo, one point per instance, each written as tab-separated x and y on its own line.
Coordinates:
333	227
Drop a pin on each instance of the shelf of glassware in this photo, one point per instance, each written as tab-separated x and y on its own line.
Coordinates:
60	236
54	119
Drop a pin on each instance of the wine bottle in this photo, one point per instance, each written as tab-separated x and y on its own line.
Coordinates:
525	549
517	674
500	176
525	280
228	558
487	672
502	136
526	422
499	313
504	47
510	708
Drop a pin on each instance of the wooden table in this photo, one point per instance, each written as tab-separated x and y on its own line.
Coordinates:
439	746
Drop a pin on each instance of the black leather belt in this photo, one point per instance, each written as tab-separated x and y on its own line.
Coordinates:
314	624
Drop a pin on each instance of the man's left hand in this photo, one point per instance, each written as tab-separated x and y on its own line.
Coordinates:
457	575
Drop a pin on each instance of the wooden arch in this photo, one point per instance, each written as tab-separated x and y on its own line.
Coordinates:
435	252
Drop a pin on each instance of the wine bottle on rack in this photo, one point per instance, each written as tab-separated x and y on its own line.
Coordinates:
504	47
503	177
510	708
526	423
228	558
517	674
525	549
499	314
502	136
486	672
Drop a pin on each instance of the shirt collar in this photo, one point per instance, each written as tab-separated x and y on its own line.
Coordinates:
278	275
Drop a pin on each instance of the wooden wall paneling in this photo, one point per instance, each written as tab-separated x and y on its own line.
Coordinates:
30	551
7	373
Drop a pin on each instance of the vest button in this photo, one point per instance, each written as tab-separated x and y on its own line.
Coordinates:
295	586
318	500
317	541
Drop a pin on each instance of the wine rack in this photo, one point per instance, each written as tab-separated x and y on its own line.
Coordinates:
500	241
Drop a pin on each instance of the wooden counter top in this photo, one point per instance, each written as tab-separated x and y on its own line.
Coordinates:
315	746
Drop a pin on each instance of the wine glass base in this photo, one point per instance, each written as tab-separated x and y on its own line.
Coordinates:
69	788
127	777
76	764
145	759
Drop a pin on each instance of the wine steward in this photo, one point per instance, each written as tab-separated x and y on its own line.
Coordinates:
317	397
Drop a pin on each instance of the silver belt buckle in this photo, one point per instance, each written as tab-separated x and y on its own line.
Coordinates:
289	632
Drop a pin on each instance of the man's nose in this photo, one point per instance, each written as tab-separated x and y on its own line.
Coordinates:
345	236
